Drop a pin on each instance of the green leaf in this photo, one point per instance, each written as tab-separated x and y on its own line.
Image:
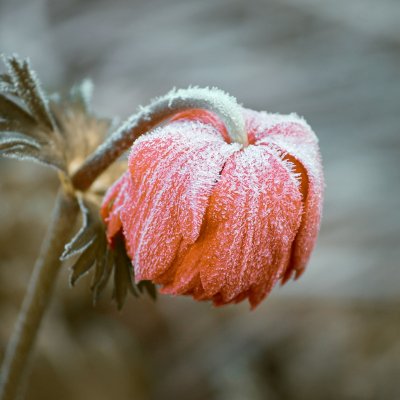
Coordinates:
83	264
101	263
86	234
90	243
149	287
100	284
123	273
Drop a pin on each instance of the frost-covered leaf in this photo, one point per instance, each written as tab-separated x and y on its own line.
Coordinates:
29	90
11	139
5	78
90	247
6	84
22	147
123	276
102	273
24	109
11	111
84	263
86	234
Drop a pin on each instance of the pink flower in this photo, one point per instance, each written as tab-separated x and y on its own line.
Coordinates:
205	217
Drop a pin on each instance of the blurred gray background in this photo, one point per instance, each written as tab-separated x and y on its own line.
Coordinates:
334	334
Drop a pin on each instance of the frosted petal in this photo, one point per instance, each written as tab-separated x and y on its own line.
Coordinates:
172	173
211	219
112	205
292	135
251	222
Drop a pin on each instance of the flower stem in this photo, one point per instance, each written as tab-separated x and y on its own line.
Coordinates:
215	100
37	296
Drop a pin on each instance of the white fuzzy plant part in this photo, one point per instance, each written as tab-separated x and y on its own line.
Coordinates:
212	99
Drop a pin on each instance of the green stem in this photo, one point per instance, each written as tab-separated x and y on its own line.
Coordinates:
38	296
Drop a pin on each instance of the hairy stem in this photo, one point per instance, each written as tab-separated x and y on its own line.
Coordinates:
148	117
37	296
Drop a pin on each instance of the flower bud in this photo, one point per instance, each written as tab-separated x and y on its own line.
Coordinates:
207	217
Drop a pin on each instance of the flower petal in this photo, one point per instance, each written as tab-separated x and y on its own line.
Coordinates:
293	136
172	174
249	227
112	205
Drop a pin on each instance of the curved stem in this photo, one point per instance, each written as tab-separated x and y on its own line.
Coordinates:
214	100
37	296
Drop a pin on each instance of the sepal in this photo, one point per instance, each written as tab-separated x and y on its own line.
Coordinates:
91	251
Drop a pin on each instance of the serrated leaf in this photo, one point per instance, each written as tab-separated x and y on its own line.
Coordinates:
6	84
86	234
11	139
84	263
28	88
9	110
94	253
5	78
13	126
24	109
23	152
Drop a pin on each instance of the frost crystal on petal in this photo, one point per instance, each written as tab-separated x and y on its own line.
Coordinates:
216	220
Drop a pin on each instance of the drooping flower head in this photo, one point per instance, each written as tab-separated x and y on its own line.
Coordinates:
211	218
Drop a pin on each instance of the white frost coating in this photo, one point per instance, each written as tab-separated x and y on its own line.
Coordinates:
8	140
215	100
225	105
70	248
28	86
174	170
212	99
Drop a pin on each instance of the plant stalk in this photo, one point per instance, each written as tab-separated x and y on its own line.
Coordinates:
215	100
38	296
